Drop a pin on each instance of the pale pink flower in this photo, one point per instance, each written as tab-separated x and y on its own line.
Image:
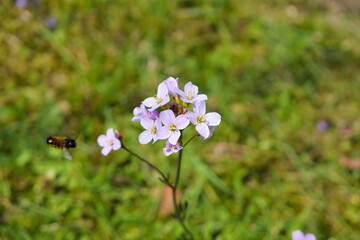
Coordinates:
190	93
160	99
172	126
108	142
298	235
204	121
170	148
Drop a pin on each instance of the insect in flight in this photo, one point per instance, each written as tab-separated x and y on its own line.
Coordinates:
63	143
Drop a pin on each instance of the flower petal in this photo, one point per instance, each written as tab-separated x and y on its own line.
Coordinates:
297	235
102	140
149	102
310	236
192	117
203	130
106	150
174	137
145	137
200	107
213	118
167	117
163	133
116	145
146	123
110	134
181	122
162	90
201	97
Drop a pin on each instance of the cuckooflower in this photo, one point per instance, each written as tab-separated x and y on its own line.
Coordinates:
171	84
190	93
151	130
160	99
170	148
298	235
204	121
172	126
141	112
108	142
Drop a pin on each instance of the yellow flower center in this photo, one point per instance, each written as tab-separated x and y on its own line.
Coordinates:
189	95
200	119
110	142
153	130
172	127
157	99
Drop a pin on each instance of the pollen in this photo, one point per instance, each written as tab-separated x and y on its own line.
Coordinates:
200	119
110	142
189	95
158	100
172	127
153	130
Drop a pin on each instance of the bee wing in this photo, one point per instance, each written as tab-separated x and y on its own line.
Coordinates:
67	154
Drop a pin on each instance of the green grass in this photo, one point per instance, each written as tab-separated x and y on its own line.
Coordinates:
273	69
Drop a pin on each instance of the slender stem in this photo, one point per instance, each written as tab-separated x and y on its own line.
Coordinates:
173	188
190	139
164	178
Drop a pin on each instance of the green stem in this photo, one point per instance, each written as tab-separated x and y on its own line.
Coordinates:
173	188
164	178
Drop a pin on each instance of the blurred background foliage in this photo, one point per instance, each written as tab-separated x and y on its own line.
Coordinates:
283	74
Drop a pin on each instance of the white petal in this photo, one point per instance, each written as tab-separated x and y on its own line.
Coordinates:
162	90
203	130
310	236
145	137
174	137
146	123
181	122
106	150
201	97
188	86
167	117
200	107
192	117
163	133
297	235
149	102
102	141
213	118
110	134
116	145
165	100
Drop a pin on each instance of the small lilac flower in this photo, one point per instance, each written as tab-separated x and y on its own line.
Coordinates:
108	142
322	125
151	130
141	112
170	148
172	126
190	93
20	3
202	120
172	84
160	99
298	235
51	23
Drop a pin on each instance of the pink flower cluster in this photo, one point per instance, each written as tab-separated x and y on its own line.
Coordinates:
167	113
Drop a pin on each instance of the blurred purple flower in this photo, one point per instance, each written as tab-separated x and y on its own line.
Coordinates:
20	3
322	125
51	22
298	235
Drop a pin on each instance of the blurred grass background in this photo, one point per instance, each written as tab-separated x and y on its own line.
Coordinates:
283	74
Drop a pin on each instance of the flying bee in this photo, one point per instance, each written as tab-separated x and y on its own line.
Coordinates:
63	143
